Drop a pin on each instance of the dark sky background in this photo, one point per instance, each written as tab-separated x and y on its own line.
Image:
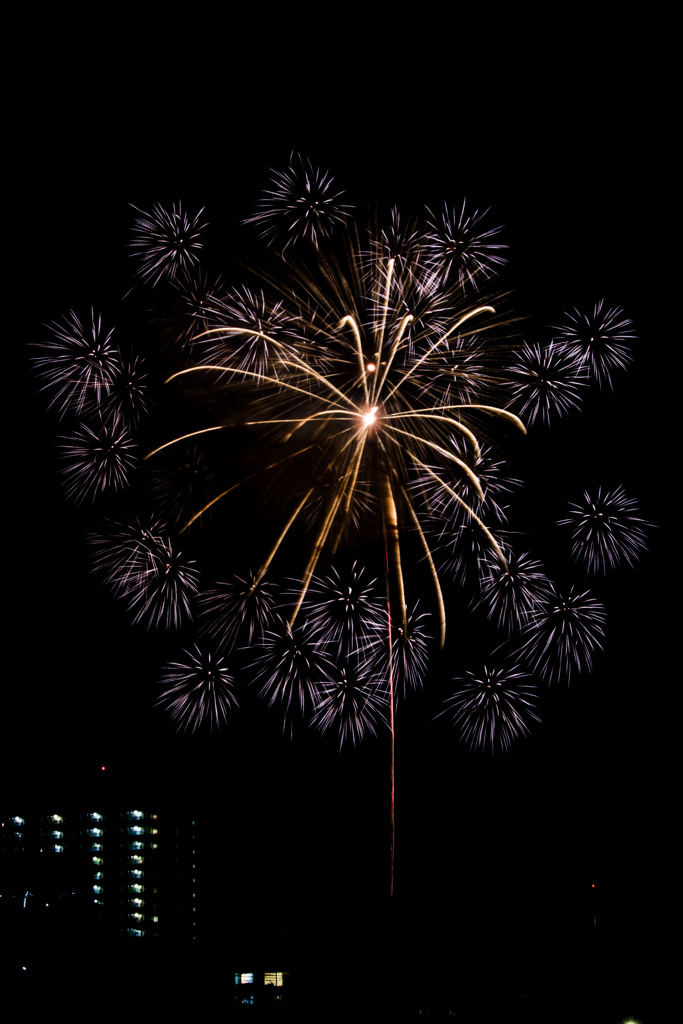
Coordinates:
574	173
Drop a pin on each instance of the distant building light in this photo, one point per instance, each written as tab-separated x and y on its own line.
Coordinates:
244	979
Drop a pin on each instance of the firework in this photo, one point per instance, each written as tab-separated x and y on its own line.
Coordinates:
166	243
380	419
458	246
464	550
606	530
97	460
546	381
78	365
198	690
351	704
409	643
513	593
139	563
301	205
237	612
343	609
562	639
347	410
126	396
290	669
492	709
257	348
600	340
162	586
183	485
115	549
481	491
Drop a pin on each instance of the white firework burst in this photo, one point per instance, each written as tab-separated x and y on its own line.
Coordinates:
78	364
459	246
493	708
166	242
198	690
352	704
512	593
97	460
606	530
302	204
547	381
564	637
600	340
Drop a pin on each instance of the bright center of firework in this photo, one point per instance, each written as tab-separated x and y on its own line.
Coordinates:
370	416
370	368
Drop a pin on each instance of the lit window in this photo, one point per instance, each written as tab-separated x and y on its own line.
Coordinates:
95	847
94	816
244	979
18	821
273	979
56	818
136	814
98	860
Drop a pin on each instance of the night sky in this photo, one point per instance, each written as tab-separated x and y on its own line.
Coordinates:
574	176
